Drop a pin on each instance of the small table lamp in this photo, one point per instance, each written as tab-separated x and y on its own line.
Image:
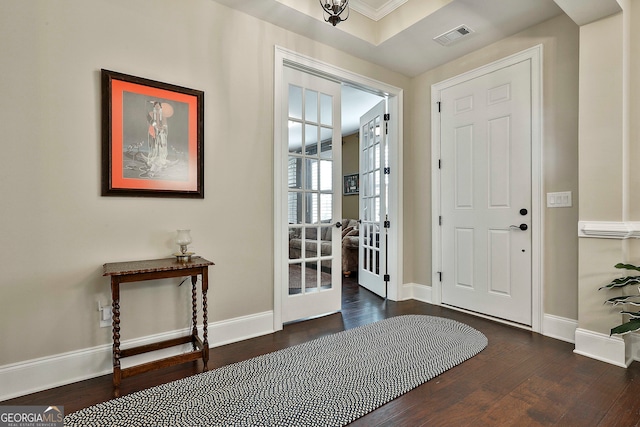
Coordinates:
183	238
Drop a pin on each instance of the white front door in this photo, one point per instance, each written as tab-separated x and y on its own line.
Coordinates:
486	194
372	261
311	117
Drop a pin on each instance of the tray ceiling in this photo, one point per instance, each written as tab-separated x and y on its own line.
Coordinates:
403	40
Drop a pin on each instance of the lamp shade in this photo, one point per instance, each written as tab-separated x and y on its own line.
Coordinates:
183	237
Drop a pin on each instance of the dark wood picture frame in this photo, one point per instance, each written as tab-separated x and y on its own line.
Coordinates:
351	184
152	138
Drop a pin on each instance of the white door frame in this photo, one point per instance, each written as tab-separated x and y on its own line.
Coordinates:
285	57
533	54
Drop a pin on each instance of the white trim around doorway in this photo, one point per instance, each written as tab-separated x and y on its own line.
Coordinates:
285	57
533	54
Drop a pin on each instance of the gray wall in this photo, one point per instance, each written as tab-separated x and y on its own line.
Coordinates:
57	230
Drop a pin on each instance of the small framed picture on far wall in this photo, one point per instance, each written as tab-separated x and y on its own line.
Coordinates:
351	184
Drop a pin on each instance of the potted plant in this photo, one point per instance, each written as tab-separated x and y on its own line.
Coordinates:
633	324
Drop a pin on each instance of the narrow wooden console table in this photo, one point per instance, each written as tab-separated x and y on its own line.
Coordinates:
136	271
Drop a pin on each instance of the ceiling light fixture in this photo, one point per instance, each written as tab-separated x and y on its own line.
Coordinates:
333	9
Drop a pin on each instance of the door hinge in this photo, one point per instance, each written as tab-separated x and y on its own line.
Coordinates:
387	278
387	224
387	117
387	170
439	106
440	220
439	163
440	275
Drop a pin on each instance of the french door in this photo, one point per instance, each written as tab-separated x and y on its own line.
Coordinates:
372	262
313	166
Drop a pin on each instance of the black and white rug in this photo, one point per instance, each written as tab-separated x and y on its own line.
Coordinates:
329	381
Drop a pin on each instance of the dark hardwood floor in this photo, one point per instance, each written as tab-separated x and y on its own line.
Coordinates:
520	379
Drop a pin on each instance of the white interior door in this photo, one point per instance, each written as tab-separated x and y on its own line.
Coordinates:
486	194
313	171
374	186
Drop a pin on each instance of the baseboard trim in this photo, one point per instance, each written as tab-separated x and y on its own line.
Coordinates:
552	326
559	328
19	379
417	292
602	347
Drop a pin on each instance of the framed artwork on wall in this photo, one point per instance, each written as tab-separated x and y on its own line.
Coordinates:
152	138
351	184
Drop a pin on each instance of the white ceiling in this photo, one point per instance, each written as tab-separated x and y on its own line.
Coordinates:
583	12
406	39
398	34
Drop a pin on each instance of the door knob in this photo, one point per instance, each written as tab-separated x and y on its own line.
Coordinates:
523	212
522	227
338	224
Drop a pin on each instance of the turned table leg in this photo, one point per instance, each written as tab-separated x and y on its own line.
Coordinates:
115	307
205	319
194	311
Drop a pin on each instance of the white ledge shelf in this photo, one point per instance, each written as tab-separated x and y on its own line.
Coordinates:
609	229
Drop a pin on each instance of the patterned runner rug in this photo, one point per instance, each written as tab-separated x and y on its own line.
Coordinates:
329	381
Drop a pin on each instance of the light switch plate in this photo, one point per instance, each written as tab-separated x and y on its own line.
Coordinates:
559	200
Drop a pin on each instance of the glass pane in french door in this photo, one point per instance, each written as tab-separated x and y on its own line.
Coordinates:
371	154
310	190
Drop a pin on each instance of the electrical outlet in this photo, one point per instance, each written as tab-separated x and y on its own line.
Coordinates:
105	315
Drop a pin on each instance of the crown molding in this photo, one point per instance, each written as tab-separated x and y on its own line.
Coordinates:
372	13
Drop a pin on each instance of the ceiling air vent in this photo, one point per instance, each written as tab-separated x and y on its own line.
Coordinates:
454	35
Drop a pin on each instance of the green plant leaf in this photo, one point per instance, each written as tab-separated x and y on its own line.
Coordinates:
623	281
624	299
625	328
627	266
